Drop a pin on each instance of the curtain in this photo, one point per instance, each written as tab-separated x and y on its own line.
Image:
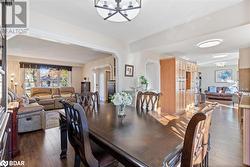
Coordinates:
44	75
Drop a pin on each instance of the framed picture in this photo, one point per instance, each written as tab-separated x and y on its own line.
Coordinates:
224	75
129	70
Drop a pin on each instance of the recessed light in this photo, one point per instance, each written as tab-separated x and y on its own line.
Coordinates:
219	56
209	43
220	64
185	58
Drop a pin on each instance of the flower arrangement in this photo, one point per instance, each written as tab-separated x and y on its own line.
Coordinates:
143	81
121	99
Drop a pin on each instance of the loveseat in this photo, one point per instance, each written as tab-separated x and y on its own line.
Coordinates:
219	93
50	97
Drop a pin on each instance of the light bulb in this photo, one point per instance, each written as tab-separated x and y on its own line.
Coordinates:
105	4
130	4
125	13
110	13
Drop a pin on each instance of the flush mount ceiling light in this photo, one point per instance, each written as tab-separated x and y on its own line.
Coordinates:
209	43
118	10
219	56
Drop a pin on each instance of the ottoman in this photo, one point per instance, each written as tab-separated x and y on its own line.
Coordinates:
30	117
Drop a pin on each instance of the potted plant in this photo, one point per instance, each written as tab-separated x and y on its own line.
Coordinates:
121	99
143	82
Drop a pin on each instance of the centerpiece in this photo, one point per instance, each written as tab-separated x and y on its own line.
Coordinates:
121	99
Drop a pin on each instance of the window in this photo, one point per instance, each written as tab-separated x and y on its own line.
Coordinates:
37	75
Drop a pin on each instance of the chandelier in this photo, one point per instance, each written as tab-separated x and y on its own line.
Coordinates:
118	10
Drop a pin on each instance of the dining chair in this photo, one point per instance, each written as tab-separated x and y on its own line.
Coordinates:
196	146
89	100
86	151
148	101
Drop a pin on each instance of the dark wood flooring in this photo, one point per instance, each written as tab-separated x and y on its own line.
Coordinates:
42	149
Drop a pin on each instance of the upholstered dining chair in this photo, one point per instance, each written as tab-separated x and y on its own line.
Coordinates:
196	142
148	101
86	151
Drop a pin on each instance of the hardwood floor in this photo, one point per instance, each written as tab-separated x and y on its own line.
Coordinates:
226	137
42	149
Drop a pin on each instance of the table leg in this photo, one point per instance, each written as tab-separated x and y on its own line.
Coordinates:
63	130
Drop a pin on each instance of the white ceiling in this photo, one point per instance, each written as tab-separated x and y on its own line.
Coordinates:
26	46
233	40
155	15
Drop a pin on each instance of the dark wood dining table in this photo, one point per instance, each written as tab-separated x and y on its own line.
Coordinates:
139	139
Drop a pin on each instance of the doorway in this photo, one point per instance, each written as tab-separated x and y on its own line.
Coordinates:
101	78
153	75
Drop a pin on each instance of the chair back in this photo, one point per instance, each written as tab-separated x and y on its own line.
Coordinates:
196	141
78	132
90	101
148	101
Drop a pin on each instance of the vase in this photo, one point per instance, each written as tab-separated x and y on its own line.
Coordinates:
145	87
121	111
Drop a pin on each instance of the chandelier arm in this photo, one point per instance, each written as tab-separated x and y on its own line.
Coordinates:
110	16
124	16
130	8
105	8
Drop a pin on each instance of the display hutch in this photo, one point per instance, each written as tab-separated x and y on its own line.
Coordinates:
179	83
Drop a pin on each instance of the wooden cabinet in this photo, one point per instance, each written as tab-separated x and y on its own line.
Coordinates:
178	84
13	110
244	79
111	89
85	87
244	106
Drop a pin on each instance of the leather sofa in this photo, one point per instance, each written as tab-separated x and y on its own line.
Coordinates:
219	93
50	97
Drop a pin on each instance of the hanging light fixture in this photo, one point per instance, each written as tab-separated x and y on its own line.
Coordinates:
118	10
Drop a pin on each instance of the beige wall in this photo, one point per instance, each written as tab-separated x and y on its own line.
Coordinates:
77	78
14	68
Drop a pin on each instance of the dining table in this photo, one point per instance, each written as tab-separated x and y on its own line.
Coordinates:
141	138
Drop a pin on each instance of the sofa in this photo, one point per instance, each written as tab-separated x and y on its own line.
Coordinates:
50	97
219	93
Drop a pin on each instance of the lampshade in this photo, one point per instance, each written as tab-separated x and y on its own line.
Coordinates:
118	10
